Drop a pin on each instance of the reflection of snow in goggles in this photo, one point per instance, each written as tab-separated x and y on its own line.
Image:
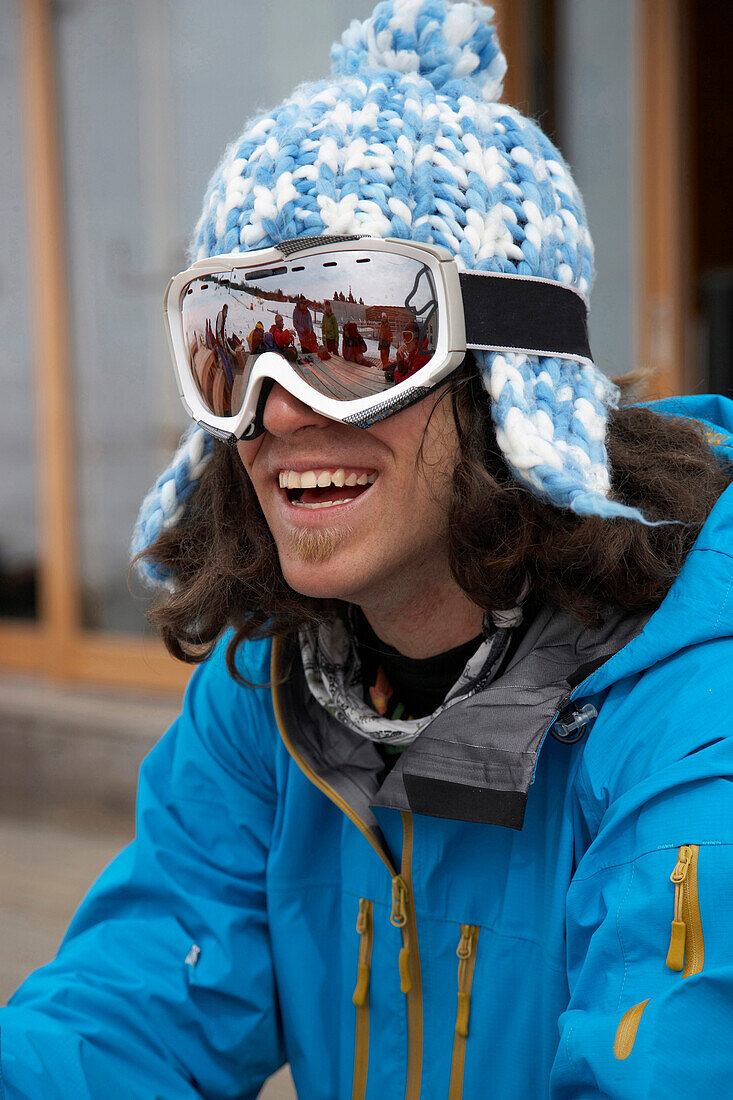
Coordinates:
312	314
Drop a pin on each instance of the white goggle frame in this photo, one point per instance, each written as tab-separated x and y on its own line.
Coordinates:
450	349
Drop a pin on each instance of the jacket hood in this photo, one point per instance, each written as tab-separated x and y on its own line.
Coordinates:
699	605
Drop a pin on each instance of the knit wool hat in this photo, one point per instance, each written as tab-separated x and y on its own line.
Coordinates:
407	139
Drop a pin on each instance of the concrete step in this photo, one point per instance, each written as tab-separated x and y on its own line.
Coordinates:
75	752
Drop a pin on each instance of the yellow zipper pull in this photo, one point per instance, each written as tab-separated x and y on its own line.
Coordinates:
464	1006
682	866
676	952
464	952
398	916
362	980
465	944
405	977
361	920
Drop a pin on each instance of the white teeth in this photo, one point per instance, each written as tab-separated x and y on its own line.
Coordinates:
309	479
322	504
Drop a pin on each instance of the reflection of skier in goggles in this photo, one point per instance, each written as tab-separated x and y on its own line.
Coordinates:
354	344
222	342
412	353
303	325
463	703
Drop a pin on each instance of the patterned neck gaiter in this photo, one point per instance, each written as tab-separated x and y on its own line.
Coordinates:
333	672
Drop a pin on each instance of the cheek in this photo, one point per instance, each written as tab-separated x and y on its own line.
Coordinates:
248	453
426	473
436	448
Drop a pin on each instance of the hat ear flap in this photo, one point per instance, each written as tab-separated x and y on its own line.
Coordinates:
550	417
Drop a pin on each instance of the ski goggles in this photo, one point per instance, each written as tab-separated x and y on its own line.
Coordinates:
328	318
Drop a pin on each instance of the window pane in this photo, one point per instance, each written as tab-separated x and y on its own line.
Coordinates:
595	120
150	94
19	534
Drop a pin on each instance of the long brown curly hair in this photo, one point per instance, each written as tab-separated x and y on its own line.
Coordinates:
501	535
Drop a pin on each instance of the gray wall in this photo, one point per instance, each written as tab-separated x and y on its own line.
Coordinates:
18	536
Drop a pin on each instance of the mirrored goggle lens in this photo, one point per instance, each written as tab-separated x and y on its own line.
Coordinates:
340	319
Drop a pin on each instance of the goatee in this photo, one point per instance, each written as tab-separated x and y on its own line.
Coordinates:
314	545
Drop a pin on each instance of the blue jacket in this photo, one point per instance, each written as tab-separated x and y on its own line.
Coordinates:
257	917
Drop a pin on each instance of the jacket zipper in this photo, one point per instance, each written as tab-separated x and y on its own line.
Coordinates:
404	916
466	952
686	946
403	909
365	929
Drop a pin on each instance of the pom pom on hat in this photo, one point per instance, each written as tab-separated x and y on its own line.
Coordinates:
441	42
407	139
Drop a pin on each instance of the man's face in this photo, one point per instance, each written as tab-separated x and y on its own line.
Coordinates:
385	537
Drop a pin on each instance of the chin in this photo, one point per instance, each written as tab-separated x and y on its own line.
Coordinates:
319	582
309	560
313	571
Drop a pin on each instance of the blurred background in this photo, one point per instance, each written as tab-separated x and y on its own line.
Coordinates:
114	114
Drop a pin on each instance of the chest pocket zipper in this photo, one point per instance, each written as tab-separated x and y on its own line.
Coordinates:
686	946
466	953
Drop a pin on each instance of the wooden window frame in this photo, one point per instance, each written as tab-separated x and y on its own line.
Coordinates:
512	25
665	290
57	644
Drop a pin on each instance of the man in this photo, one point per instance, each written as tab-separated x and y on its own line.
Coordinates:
256	339
282	337
384	343
303	325
465	709
222	342
330	329
410	354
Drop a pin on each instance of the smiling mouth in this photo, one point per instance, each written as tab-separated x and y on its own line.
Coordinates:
324	488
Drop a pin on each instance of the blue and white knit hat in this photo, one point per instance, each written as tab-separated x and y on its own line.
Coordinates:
407	139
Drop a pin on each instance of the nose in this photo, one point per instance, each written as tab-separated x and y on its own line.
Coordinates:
285	414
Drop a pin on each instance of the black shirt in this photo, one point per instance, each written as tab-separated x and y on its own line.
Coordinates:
418	685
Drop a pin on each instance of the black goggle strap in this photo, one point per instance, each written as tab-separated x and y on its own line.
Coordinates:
519	313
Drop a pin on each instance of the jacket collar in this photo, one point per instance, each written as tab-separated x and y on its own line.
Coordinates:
475	760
